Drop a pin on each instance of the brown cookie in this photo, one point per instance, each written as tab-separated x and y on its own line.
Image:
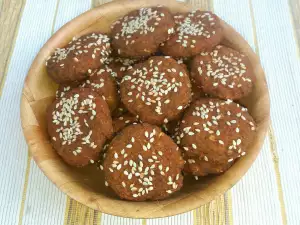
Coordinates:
215	131
102	81
156	90
139	33
194	32
143	163
72	62
223	72
79	123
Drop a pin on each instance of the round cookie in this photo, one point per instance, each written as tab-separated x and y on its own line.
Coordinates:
72	62
102	81
143	163
140	32
215	131
79	123
156	90
223	72
122	121
194	32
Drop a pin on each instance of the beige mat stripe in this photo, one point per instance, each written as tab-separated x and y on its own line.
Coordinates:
11	14
273	147
294	10
212	213
24	189
78	214
272	140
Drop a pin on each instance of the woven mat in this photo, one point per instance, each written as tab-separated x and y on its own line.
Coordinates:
267	194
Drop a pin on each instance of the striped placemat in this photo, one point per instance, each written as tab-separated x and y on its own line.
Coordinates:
267	194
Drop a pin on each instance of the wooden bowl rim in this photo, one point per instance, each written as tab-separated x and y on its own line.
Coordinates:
81	195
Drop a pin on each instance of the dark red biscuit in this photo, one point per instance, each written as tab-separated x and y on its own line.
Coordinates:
102	81
194	32
139	33
216	131
143	163
156	90
122	121
223	72
72	62
79	123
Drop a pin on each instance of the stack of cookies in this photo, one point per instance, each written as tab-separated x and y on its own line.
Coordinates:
155	100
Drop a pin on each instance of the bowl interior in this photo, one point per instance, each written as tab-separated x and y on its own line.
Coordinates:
86	185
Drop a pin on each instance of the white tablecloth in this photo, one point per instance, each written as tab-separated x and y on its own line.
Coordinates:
267	194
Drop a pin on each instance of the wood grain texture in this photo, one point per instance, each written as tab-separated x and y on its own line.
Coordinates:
10	14
86	185
295	14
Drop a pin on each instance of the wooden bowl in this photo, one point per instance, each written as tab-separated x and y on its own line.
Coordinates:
86	185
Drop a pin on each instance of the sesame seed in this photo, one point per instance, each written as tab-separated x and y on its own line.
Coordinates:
140	157
160	167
